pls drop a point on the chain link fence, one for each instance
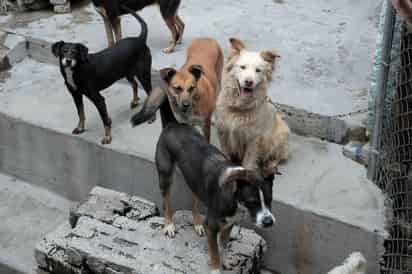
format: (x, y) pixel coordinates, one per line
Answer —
(392, 169)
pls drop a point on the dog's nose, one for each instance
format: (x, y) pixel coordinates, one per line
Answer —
(249, 82)
(267, 221)
(69, 62)
(186, 104)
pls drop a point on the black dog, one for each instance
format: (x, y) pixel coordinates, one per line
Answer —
(219, 183)
(111, 10)
(88, 74)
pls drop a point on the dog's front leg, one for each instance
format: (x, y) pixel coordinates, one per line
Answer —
(78, 100)
(250, 160)
(206, 128)
(197, 219)
(100, 104)
(212, 229)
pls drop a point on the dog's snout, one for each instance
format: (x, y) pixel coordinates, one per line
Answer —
(69, 61)
(249, 82)
(267, 221)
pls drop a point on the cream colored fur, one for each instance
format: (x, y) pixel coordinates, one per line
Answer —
(249, 127)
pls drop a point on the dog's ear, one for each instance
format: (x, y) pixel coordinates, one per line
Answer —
(269, 56)
(167, 74)
(196, 71)
(239, 173)
(56, 48)
(236, 46)
(83, 52)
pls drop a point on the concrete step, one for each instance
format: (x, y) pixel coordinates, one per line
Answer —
(27, 213)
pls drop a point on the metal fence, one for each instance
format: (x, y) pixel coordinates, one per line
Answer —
(391, 165)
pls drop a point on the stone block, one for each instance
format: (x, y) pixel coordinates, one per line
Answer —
(106, 238)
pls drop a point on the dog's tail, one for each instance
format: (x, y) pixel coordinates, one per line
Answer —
(143, 33)
(152, 103)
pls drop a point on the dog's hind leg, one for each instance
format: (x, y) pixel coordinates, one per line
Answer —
(165, 167)
(133, 82)
(78, 100)
(171, 24)
(117, 26)
(107, 25)
(197, 219)
(180, 28)
(100, 104)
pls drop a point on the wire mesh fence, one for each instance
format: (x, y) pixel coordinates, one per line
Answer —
(393, 171)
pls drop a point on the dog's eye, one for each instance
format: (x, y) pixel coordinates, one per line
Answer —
(243, 67)
(258, 70)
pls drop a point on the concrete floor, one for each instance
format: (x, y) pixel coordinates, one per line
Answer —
(326, 47)
(27, 213)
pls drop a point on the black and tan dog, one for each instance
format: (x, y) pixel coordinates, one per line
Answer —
(219, 183)
(88, 74)
(111, 10)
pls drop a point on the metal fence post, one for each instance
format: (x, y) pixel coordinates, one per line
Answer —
(381, 82)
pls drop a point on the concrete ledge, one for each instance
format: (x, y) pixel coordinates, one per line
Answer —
(302, 122)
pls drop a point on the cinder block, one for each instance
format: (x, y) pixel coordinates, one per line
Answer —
(122, 243)
(106, 205)
(64, 8)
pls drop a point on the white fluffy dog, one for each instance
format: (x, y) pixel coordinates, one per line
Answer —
(354, 264)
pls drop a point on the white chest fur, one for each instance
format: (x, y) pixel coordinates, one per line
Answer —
(69, 77)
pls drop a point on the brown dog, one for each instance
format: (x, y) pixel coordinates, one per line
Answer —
(111, 10)
(250, 131)
(192, 90)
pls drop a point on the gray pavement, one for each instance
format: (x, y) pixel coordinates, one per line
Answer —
(27, 213)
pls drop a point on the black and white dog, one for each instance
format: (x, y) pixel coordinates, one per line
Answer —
(220, 184)
(88, 74)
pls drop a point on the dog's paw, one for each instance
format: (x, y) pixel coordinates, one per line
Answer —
(168, 49)
(106, 140)
(170, 230)
(152, 119)
(215, 271)
(134, 104)
(77, 131)
(200, 230)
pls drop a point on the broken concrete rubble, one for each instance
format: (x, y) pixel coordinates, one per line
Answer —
(113, 232)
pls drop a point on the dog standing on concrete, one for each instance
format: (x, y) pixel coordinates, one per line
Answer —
(250, 131)
(219, 183)
(111, 10)
(192, 90)
(88, 74)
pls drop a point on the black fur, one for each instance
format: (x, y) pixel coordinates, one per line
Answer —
(130, 57)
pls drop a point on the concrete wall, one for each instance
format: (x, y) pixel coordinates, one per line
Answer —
(302, 242)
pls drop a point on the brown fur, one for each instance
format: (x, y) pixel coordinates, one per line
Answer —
(206, 54)
(250, 129)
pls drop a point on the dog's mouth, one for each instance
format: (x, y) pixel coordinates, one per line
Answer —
(244, 91)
